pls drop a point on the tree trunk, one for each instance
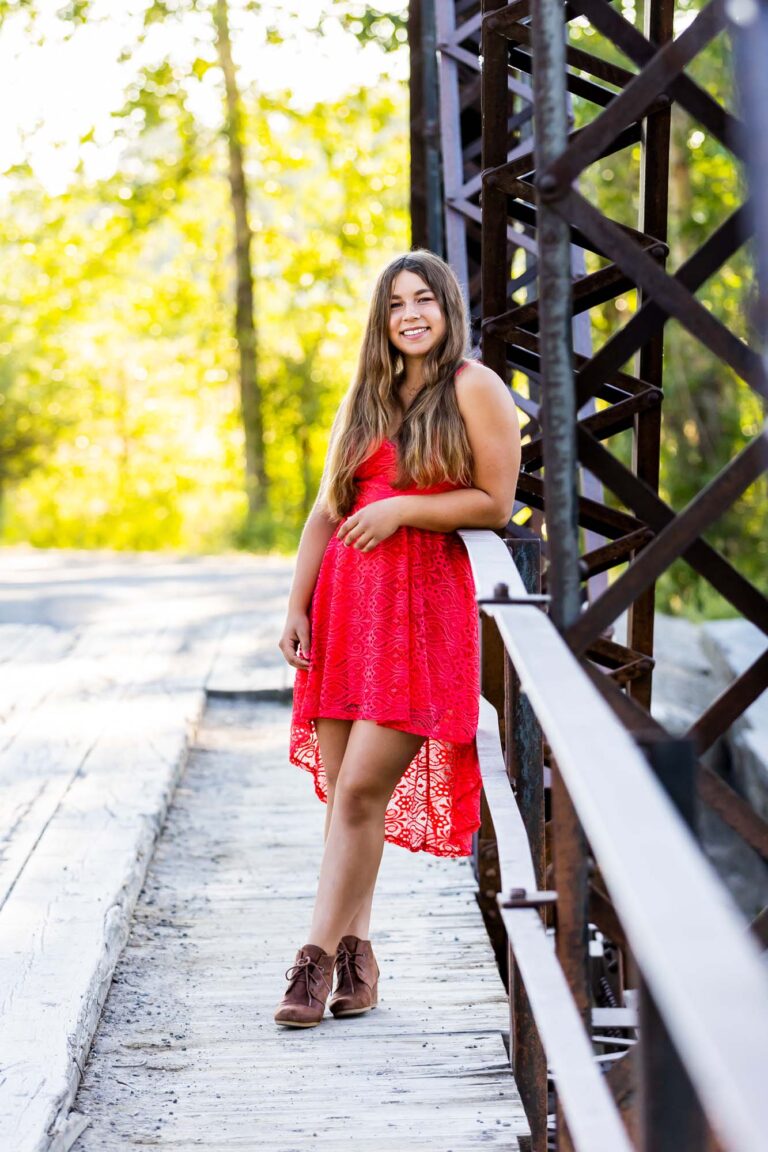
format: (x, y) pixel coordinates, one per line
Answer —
(256, 483)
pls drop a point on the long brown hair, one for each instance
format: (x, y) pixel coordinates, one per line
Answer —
(432, 440)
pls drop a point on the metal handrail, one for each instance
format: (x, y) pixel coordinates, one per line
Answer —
(703, 969)
(593, 1119)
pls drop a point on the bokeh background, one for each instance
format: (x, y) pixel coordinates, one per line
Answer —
(126, 366)
(120, 389)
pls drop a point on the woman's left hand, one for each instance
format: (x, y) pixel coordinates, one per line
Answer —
(368, 526)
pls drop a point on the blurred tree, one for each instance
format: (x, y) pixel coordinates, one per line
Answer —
(116, 299)
(251, 404)
(166, 146)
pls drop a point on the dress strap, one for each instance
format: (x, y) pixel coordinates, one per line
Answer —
(461, 367)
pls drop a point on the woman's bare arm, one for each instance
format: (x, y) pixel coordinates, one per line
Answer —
(493, 431)
(314, 540)
(316, 534)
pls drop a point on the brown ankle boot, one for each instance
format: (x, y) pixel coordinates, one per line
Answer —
(303, 1005)
(357, 978)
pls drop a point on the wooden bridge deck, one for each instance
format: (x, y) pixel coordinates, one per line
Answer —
(187, 1054)
(103, 664)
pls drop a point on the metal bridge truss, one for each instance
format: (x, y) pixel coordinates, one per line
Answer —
(496, 164)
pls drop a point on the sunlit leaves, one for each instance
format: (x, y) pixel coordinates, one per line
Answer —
(368, 23)
(117, 301)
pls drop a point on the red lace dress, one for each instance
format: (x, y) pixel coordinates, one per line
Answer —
(394, 639)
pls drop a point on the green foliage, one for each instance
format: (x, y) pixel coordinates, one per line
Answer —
(387, 29)
(118, 311)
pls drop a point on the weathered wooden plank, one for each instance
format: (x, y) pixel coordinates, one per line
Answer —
(29, 665)
(47, 746)
(187, 1054)
(66, 917)
(13, 638)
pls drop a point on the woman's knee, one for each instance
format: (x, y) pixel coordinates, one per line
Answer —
(358, 800)
(374, 761)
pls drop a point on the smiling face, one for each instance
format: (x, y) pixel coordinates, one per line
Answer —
(416, 321)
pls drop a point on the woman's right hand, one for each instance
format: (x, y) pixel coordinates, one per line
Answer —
(294, 642)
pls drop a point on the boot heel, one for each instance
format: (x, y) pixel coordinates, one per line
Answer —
(357, 978)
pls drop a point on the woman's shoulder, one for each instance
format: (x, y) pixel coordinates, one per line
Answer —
(482, 396)
(474, 379)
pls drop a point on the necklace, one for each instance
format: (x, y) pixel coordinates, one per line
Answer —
(408, 399)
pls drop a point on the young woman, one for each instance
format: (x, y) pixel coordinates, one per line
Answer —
(382, 620)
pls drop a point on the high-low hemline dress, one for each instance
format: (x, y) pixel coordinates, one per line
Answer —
(394, 639)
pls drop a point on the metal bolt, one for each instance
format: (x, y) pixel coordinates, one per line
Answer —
(501, 592)
(547, 184)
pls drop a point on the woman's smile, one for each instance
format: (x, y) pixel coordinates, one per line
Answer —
(416, 319)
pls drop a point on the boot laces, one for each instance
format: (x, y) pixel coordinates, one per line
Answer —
(350, 964)
(307, 970)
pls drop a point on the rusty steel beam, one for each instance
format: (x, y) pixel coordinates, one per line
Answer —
(635, 100)
(605, 423)
(495, 271)
(730, 704)
(702, 557)
(418, 204)
(695, 100)
(558, 419)
(713, 791)
(558, 399)
(513, 209)
(452, 152)
(673, 541)
(646, 442)
(666, 290)
(609, 555)
(598, 517)
(644, 326)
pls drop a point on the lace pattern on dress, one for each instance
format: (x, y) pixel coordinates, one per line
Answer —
(395, 640)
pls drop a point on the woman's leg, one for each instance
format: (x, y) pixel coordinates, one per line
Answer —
(332, 736)
(373, 762)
